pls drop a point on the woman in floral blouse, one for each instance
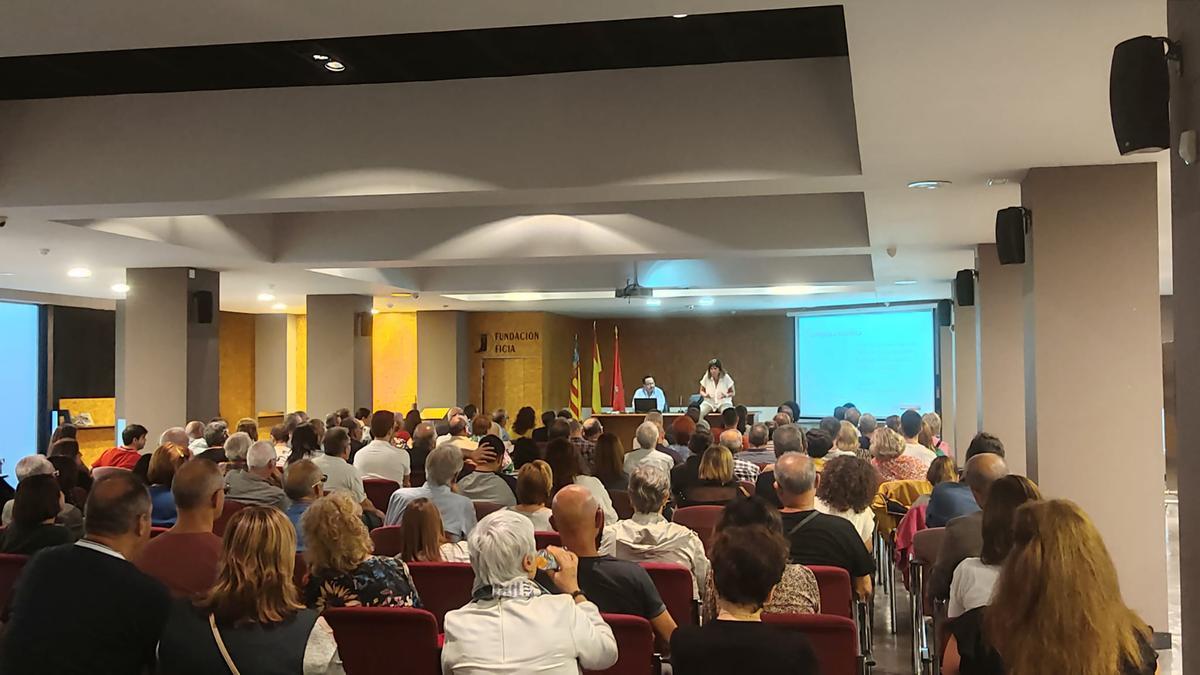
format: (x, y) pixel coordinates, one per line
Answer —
(343, 573)
(887, 446)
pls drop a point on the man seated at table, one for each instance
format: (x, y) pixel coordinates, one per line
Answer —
(649, 390)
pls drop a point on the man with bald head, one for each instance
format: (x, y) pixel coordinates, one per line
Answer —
(731, 439)
(964, 535)
(616, 586)
(817, 538)
(176, 435)
(953, 499)
(184, 558)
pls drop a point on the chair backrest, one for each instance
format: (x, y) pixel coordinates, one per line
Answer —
(925, 545)
(834, 639)
(635, 645)
(674, 584)
(700, 519)
(902, 492)
(442, 586)
(544, 539)
(155, 531)
(10, 568)
(379, 491)
(370, 640)
(231, 507)
(837, 593)
(749, 487)
(484, 508)
(386, 540)
(622, 503)
(709, 495)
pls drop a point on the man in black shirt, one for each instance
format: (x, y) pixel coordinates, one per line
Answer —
(116, 613)
(541, 434)
(817, 538)
(787, 438)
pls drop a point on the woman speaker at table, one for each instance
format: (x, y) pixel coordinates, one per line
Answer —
(716, 389)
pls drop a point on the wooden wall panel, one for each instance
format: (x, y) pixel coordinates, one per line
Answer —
(236, 339)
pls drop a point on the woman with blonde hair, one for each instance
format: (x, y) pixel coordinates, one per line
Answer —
(423, 539)
(887, 448)
(535, 480)
(252, 621)
(935, 429)
(163, 462)
(343, 573)
(715, 484)
(846, 442)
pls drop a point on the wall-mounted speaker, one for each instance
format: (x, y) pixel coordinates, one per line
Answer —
(945, 313)
(1138, 94)
(1012, 224)
(964, 288)
(204, 306)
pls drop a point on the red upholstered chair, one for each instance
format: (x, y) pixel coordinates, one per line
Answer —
(544, 539)
(379, 491)
(837, 593)
(621, 503)
(833, 638)
(442, 586)
(484, 508)
(749, 487)
(231, 507)
(635, 645)
(155, 531)
(377, 640)
(10, 568)
(386, 540)
(674, 584)
(701, 519)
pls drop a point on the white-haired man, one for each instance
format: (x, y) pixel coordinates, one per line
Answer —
(442, 467)
(647, 451)
(68, 516)
(258, 483)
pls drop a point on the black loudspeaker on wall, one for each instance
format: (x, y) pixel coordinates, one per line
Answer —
(204, 306)
(1012, 224)
(1139, 92)
(945, 315)
(964, 288)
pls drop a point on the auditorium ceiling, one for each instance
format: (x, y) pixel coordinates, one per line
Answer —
(731, 156)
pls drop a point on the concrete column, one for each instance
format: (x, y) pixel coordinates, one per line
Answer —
(946, 361)
(1093, 352)
(966, 382)
(1000, 331)
(168, 364)
(442, 350)
(339, 353)
(270, 362)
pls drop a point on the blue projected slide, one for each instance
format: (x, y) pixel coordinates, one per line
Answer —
(18, 384)
(882, 361)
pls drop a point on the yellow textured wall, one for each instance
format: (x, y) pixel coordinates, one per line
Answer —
(297, 370)
(236, 339)
(394, 361)
(507, 345)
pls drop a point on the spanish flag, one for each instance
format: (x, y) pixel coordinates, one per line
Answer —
(595, 372)
(575, 380)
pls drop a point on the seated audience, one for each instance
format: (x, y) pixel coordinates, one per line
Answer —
(524, 423)
(35, 507)
(318, 427)
(585, 446)
(423, 539)
(818, 443)
(251, 621)
(280, 438)
(866, 428)
(175, 435)
(69, 516)
(72, 472)
(164, 462)
(787, 438)
(847, 487)
(487, 483)
(535, 482)
(892, 422)
(85, 607)
(846, 441)
(796, 593)
(342, 571)
(460, 433)
(983, 443)
(681, 432)
(195, 434)
(616, 586)
(950, 498)
(684, 476)
(732, 440)
(714, 484)
(411, 419)
(304, 444)
(565, 470)
(748, 564)
(729, 422)
(964, 535)
(381, 458)
(342, 477)
(65, 430)
(442, 467)
(941, 470)
(608, 462)
(303, 484)
(910, 427)
(423, 441)
(500, 419)
(257, 484)
(831, 426)
(647, 452)
(249, 427)
(648, 536)
(184, 558)
(355, 430)
(939, 444)
(791, 408)
(126, 455)
(1073, 620)
(887, 448)
(557, 635)
(757, 439)
(215, 435)
(818, 538)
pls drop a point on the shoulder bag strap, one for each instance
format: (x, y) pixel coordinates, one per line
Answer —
(212, 622)
(792, 531)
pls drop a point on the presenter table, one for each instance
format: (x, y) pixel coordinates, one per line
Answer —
(625, 425)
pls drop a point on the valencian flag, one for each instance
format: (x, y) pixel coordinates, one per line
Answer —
(575, 379)
(618, 397)
(595, 371)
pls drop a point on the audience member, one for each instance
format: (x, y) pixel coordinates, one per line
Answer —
(380, 458)
(714, 484)
(184, 558)
(126, 455)
(887, 448)
(950, 498)
(748, 564)
(892, 422)
(249, 427)
(304, 444)
(303, 484)
(318, 427)
(732, 440)
(681, 432)
(354, 429)
(35, 508)
(423, 441)
(729, 422)
(565, 470)
(787, 438)
(791, 408)
(648, 536)
(817, 538)
(258, 484)
(910, 427)
(559, 428)
(524, 423)
(647, 452)
(846, 488)
(195, 433)
(743, 416)
(693, 411)
(535, 483)
(941, 470)
(65, 430)
(591, 431)
(983, 443)
(74, 479)
(487, 483)
(215, 435)
(176, 435)
(866, 427)
(818, 443)
(423, 539)
(280, 438)
(459, 434)
(934, 421)
(839, 413)
(684, 476)
(559, 634)
(845, 442)
(481, 425)
(853, 416)
(164, 462)
(964, 535)
(115, 614)
(342, 477)
(442, 467)
(757, 452)
(252, 620)
(236, 447)
(616, 586)
(69, 516)
(608, 462)
(342, 571)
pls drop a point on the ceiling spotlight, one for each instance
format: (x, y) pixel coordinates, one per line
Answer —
(320, 57)
(653, 302)
(266, 297)
(402, 295)
(928, 184)
(679, 16)
(79, 273)
(705, 302)
(374, 311)
(120, 288)
(335, 66)
(906, 282)
(279, 306)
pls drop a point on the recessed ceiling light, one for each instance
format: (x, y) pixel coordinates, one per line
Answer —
(374, 311)
(320, 57)
(653, 302)
(79, 273)
(705, 302)
(906, 282)
(8, 274)
(279, 306)
(679, 16)
(928, 184)
(335, 66)
(993, 182)
(402, 295)
(120, 288)
(266, 297)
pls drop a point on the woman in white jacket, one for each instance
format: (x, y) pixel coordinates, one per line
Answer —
(513, 625)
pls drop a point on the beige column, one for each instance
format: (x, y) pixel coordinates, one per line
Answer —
(270, 362)
(1094, 361)
(1000, 331)
(946, 363)
(442, 349)
(966, 382)
(338, 353)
